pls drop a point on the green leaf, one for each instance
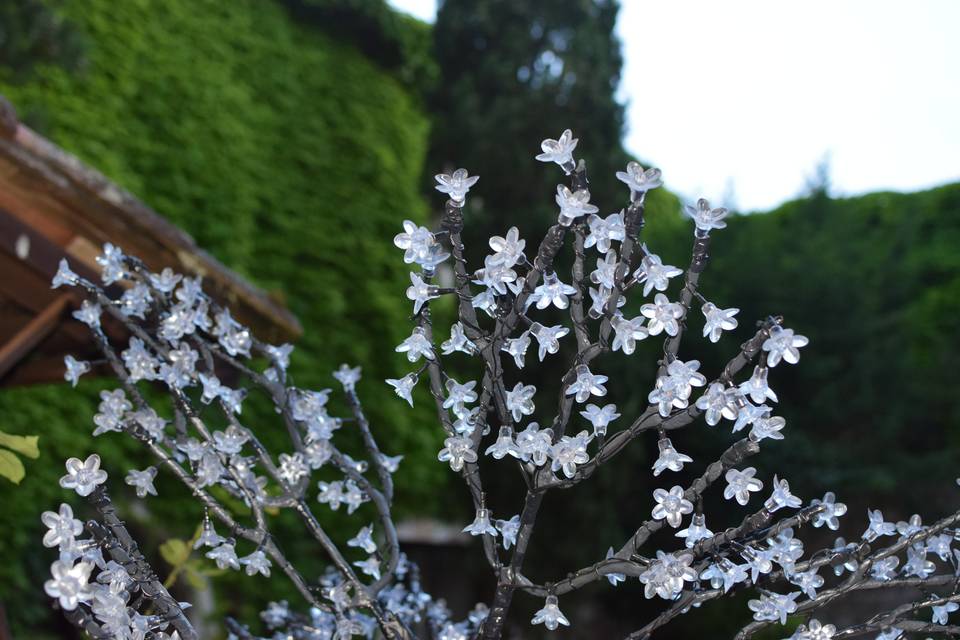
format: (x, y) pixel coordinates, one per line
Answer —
(194, 578)
(24, 445)
(175, 551)
(11, 467)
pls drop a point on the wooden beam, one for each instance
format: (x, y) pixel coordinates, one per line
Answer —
(24, 341)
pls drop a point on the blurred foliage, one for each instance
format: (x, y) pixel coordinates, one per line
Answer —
(287, 153)
(34, 33)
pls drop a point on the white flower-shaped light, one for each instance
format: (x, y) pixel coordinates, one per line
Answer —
(757, 388)
(781, 496)
(363, 539)
(74, 369)
(559, 151)
(456, 184)
(459, 395)
(570, 452)
(535, 444)
(941, 612)
(767, 426)
(417, 345)
(638, 180)
(111, 263)
(814, 631)
(696, 532)
(548, 338)
(627, 333)
(573, 205)
(671, 506)
(603, 231)
(550, 615)
(706, 218)
(347, 376)
(403, 387)
(718, 320)
(64, 275)
(666, 575)
(740, 484)
(504, 445)
(509, 530)
(832, 511)
(517, 347)
(88, 314)
(784, 345)
(225, 556)
(663, 315)
(808, 581)
(669, 458)
(256, 562)
(600, 418)
(457, 450)
(717, 402)
(415, 241)
(370, 567)
(508, 249)
(481, 525)
(458, 341)
(587, 384)
(69, 583)
(654, 274)
(520, 400)
(420, 292)
(292, 467)
(552, 291)
(83, 476)
(142, 481)
(62, 527)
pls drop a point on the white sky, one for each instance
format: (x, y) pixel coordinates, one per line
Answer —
(748, 96)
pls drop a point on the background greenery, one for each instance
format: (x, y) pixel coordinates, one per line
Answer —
(291, 137)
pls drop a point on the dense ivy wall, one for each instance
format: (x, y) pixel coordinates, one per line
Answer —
(288, 154)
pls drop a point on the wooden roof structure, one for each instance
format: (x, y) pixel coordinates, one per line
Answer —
(52, 206)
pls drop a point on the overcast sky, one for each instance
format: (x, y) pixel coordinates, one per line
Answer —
(746, 97)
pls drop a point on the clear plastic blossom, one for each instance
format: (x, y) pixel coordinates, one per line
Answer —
(416, 346)
(909, 527)
(885, 569)
(696, 532)
(347, 376)
(457, 450)
(256, 562)
(69, 583)
(420, 292)
(627, 333)
(831, 513)
(665, 576)
(517, 348)
(83, 476)
(74, 369)
(225, 555)
(654, 274)
(403, 387)
(740, 484)
(813, 630)
(481, 525)
(509, 530)
(569, 452)
(725, 573)
(548, 338)
(559, 151)
(535, 444)
(781, 497)
(784, 345)
(363, 540)
(774, 606)
(917, 563)
(600, 418)
(718, 320)
(458, 341)
(415, 241)
(639, 180)
(231, 440)
(587, 384)
(504, 445)
(520, 400)
(495, 275)
(292, 467)
(718, 402)
(941, 612)
(142, 481)
(705, 218)
(550, 615)
(456, 184)
(62, 527)
(663, 315)
(370, 567)
(673, 390)
(64, 275)
(552, 291)
(603, 231)
(89, 314)
(669, 458)
(605, 274)
(757, 388)
(508, 249)
(459, 395)
(808, 581)
(768, 426)
(671, 506)
(111, 264)
(573, 205)
(600, 301)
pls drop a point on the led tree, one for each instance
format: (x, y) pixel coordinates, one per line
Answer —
(184, 344)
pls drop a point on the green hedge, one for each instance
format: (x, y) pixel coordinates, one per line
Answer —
(288, 154)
